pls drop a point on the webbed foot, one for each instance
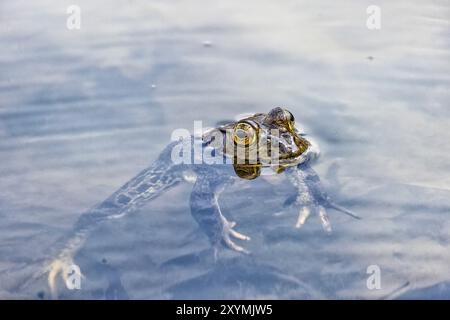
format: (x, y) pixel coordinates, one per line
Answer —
(305, 212)
(303, 215)
(323, 215)
(311, 196)
(228, 232)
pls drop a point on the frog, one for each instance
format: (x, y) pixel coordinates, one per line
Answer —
(278, 147)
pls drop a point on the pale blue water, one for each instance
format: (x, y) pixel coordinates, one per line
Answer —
(82, 111)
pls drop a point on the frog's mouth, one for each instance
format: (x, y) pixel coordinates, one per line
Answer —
(294, 149)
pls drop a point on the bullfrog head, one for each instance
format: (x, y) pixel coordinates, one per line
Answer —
(260, 141)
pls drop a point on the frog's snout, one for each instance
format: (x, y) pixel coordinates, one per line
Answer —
(283, 147)
(287, 145)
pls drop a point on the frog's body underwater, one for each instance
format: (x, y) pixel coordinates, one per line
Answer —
(293, 157)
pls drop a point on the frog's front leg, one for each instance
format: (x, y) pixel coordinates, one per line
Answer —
(306, 198)
(312, 197)
(206, 211)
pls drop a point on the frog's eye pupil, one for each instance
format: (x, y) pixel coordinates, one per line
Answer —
(241, 134)
(290, 120)
(291, 117)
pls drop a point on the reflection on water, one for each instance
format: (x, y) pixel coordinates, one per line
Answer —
(81, 112)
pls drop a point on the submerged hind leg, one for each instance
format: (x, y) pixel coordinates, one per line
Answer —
(146, 186)
(207, 213)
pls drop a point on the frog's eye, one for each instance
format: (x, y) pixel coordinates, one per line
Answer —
(290, 120)
(244, 134)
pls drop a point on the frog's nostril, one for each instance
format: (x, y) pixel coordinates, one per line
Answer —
(284, 148)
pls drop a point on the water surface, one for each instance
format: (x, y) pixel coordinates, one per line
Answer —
(82, 111)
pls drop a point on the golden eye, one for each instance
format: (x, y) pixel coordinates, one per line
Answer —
(244, 134)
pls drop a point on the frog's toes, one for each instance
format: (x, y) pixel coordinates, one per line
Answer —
(233, 246)
(302, 216)
(229, 228)
(54, 270)
(305, 212)
(59, 267)
(226, 239)
(323, 215)
(239, 235)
